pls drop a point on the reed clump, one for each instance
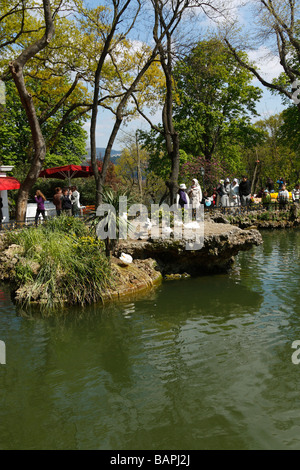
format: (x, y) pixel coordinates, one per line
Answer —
(60, 262)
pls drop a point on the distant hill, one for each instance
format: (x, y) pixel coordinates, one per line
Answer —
(100, 151)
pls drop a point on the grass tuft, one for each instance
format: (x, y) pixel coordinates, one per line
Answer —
(60, 263)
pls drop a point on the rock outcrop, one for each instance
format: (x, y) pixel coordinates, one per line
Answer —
(221, 243)
(136, 278)
(258, 218)
(152, 259)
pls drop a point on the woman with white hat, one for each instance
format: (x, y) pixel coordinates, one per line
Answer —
(234, 193)
(226, 191)
(182, 200)
(195, 194)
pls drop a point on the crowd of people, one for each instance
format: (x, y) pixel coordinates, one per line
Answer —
(226, 194)
(66, 201)
(236, 193)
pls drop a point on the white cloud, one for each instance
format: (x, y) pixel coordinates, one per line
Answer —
(267, 63)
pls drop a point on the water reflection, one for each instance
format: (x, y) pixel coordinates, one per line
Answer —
(196, 364)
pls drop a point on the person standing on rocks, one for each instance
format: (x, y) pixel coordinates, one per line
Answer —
(220, 192)
(234, 193)
(245, 191)
(182, 197)
(195, 195)
(283, 197)
(226, 191)
(296, 194)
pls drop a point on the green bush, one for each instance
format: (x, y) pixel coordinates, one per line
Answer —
(69, 225)
(264, 216)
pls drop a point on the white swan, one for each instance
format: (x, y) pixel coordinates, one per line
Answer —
(191, 225)
(167, 230)
(126, 259)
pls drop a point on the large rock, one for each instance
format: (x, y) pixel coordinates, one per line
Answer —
(129, 280)
(221, 243)
(8, 261)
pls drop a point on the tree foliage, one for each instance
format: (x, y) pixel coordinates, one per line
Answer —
(215, 102)
(278, 154)
(15, 138)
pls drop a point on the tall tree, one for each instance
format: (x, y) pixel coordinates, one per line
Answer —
(42, 76)
(170, 15)
(17, 70)
(133, 79)
(110, 40)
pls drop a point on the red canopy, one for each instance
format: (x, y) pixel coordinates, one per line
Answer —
(7, 182)
(67, 172)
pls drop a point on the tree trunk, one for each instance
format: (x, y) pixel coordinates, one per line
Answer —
(172, 183)
(139, 173)
(16, 68)
(170, 134)
(255, 178)
(37, 138)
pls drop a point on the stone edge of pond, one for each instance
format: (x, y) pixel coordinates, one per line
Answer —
(258, 219)
(221, 243)
(154, 260)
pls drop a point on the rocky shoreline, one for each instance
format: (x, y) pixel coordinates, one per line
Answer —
(224, 236)
(167, 258)
(258, 219)
(154, 260)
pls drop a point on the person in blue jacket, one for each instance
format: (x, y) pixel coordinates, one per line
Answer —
(280, 183)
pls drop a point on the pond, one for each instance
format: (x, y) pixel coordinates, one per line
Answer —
(201, 363)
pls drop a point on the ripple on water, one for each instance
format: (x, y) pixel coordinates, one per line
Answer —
(202, 363)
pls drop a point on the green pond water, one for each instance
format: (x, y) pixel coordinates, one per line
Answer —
(196, 364)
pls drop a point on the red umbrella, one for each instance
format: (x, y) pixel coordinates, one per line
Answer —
(67, 172)
(7, 182)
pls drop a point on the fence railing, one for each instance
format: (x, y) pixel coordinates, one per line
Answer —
(272, 206)
(233, 211)
(30, 221)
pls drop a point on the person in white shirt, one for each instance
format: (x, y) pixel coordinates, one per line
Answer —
(283, 197)
(234, 193)
(296, 194)
(195, 195)
(75, 201)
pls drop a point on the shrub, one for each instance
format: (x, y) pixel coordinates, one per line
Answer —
(70, 225)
